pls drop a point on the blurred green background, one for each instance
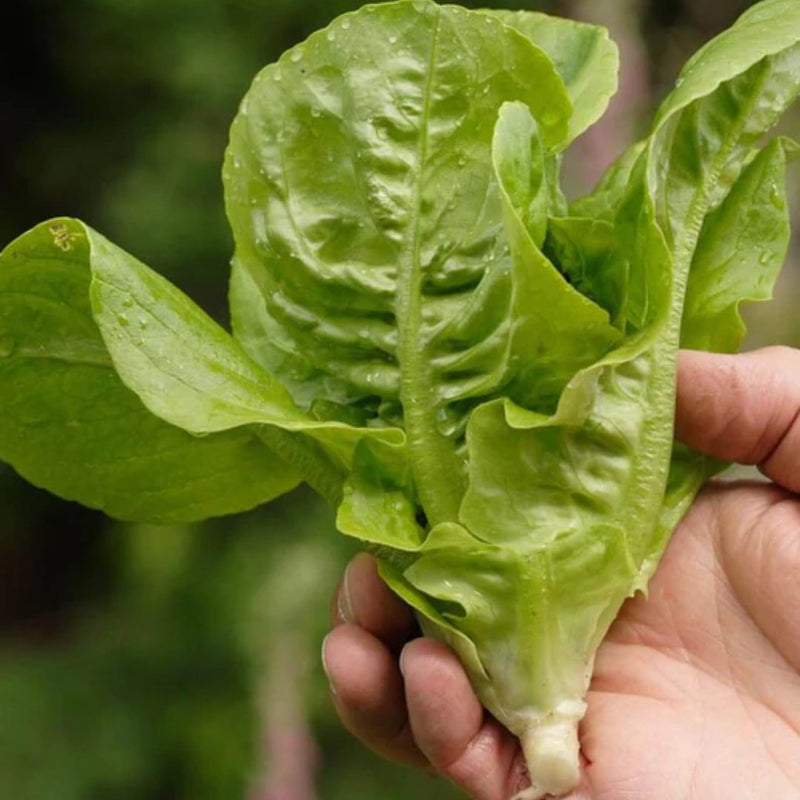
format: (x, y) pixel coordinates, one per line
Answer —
(142, 662)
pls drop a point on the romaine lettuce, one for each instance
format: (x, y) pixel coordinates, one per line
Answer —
(477, 375)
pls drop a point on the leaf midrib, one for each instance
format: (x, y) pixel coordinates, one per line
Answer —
(434, 463)
(683, 253)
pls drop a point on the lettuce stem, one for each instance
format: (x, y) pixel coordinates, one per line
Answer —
(551, 753)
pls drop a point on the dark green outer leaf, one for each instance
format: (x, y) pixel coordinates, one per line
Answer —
(364, 210)
(68, 424)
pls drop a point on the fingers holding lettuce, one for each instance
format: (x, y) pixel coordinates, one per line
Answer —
(744, 408)
(696, 690)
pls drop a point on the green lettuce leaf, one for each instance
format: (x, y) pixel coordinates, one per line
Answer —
(365, 211)
(585, 251)
(188, 371)
(555, 330)
(732, 92)
(584, 56)
(739, 253)
(69, 424)
(601, 203)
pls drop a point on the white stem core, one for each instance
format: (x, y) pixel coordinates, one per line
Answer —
(551, 751)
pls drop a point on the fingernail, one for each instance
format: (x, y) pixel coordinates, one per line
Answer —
(402, 662)
(343, 603)
(325, 667)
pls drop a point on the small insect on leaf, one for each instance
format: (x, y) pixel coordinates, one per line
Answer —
(63, 237)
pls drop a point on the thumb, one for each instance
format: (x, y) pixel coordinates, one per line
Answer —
(743, 408)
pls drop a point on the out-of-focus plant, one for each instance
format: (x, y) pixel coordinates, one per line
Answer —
(176, 685)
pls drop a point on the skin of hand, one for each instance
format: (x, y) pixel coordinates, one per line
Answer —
(696, 689)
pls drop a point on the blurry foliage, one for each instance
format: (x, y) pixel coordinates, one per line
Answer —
(147, 694)
(150, 694)
(132, 657)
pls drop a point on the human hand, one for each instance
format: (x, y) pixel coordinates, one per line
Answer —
(696, 690)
